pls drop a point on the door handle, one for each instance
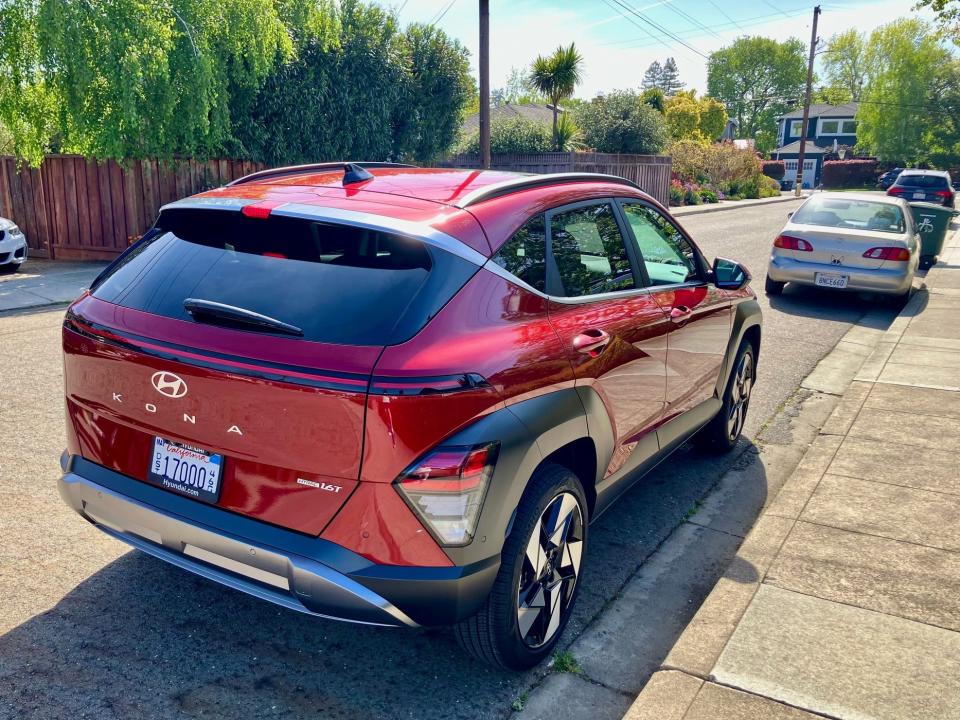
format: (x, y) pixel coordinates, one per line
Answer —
(591, 342)
(680, 314)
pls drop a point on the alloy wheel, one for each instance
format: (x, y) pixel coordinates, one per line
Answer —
(550, 569)
(740, 396)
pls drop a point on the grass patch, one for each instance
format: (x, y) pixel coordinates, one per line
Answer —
(694, 510)
(519, 702)
(564, 662)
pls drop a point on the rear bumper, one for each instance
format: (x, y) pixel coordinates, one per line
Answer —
(883, 280)
(303, 573)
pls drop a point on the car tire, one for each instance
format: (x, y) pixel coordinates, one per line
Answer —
(536, 587)
(720, 435)
(772, 287)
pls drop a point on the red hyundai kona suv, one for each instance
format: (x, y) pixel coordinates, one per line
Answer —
(399, 396)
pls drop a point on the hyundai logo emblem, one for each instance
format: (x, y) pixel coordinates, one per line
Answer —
(166, 383)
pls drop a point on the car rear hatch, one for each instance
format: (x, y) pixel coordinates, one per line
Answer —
(843, 248)
(252, 339)
(922, 188)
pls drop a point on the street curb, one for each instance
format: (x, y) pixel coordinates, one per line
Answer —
(730, 205)
(671, 689)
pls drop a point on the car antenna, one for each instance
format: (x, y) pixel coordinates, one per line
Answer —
(353, 173)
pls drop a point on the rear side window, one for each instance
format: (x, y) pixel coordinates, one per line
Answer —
(525, 254)
(932, 182)
(588, 251)
(338, 283)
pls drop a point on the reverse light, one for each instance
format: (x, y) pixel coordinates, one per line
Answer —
(788, 242)
(446, 487)
(888, 253)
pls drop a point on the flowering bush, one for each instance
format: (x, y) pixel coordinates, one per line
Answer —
(676, 192)
(691, 194)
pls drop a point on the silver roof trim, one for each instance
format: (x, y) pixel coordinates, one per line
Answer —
(532, 181)
(311, 167)
(419, 231)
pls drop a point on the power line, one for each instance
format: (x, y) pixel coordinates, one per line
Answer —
(658, 27)
(771, 5)
(636, 24)
(439, 16)
(694, 22)
(722, 12)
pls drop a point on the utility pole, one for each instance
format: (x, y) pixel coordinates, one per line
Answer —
(485, 84)
(806, 104)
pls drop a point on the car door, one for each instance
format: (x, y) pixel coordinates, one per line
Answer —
(700, 315)
(613, 329)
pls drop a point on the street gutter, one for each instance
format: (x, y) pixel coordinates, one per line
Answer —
(731, 205)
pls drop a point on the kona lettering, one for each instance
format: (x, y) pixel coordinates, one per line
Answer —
(118, 397)
(150, 408)
(187, 418)
(235, 429)
(190, 418)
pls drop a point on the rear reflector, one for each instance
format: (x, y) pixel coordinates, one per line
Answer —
(788, 242)
(446, 487)
(888, 253)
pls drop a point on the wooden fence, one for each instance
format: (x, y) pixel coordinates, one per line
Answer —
(71, 208)
(650, 172)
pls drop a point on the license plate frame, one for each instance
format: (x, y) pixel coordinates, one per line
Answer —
(186, 470)
(836, 281)
(919, 196)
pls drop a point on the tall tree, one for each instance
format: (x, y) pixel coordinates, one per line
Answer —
(621, 122)
(755, 77)
(652, 77)
(670, 78)
(557, 76)
(844, 64)
(948, 16)
(903, 62)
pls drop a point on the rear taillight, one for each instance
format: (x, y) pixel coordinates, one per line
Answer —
(788, 242)
(894, 190)
(446, 489)
(888, 253)
(943, 193)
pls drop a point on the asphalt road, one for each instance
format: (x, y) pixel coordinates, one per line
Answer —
(90, 629)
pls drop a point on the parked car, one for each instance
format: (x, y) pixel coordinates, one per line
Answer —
(924, 185)
(847, 241)
(399, 396)
(13, 246)
(888, 178)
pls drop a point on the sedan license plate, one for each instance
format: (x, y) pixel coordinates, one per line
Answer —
(187, 470)
(919, 196)
(830, 280)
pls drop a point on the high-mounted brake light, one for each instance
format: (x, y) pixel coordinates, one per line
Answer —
(258, 212)
(888, 253)
(446, 487)
(788, 242)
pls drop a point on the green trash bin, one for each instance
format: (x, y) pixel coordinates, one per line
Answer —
(932, 222)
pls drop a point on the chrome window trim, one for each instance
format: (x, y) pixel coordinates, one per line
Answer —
(418, 231)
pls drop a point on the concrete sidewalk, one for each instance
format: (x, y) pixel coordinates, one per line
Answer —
(844, 600)
(735, 204)
(46, 282)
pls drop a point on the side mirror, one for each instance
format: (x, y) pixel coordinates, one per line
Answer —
(729, 274)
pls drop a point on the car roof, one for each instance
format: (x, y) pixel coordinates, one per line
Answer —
(917, 171)
(865, 196)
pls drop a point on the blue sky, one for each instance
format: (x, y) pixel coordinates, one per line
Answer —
(618, 46)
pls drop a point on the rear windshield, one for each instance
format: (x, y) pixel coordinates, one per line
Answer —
(932, 182)
(337, 283)
(859, 214)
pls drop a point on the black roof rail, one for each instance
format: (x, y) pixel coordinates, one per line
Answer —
(298, 169)
(526, 182)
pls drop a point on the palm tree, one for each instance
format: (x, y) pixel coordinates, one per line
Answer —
(556, 76)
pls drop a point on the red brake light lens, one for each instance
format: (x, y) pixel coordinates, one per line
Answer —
(788, 242)
(943, 193)
(888, 253)
(894, 190)
(446, 488)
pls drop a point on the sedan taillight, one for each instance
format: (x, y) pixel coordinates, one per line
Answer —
(446, 489)
(888, 253)
(788, 242)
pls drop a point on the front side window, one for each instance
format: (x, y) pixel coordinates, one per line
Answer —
(525, 254)
(667, 255)
(588, 252)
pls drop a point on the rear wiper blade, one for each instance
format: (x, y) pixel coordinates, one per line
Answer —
(199, 308)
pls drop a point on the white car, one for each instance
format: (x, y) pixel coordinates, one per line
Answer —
(13, 246)
(847, 241)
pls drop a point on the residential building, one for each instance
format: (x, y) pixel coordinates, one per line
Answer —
(829, 128)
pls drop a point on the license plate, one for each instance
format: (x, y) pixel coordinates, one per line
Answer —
(919, 196)
(187, 470)
(830, 280)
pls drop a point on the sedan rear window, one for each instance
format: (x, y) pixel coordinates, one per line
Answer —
(857, 214)
(932, 182)
(336, 283)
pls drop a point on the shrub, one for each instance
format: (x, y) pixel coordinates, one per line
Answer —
(691, 194)
(769, 187)
(515, 135)
(709, 196)
(719, 164)
(775, 169)
(622, 123)
(676, 192)
(849, 173)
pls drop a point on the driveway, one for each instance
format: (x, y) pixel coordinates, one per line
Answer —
(91, 629)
